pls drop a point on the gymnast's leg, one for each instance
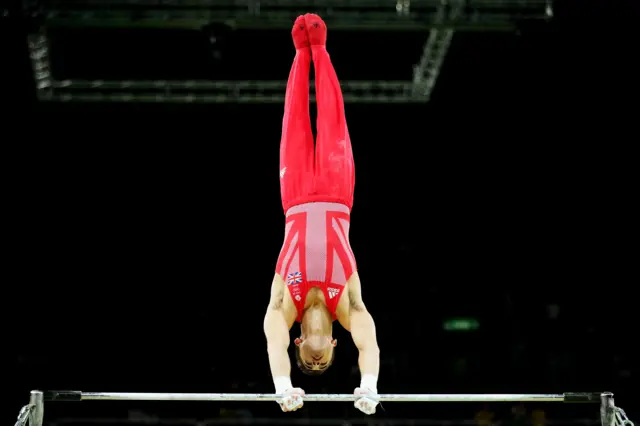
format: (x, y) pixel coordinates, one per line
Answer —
(296, 144)
(335, 173)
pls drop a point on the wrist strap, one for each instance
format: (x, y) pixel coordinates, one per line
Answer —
(369, 381)
(282, 384)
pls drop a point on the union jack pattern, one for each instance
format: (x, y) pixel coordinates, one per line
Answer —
(316, 252)
(294, 278)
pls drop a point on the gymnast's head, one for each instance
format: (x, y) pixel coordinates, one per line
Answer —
(315, 346)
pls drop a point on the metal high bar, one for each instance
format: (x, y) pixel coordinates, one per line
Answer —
(609, 413)
(567, 397)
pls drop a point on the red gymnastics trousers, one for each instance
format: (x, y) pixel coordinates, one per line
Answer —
(324, 173)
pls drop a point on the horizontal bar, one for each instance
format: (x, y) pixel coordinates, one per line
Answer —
(244, 4)
(316, 397)
(140, 396)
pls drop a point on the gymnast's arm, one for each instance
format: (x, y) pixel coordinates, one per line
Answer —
(363, 332)
(277, 332)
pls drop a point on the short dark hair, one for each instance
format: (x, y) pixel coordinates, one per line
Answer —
(309, 371)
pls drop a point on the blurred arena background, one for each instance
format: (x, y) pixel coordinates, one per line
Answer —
(146, 220)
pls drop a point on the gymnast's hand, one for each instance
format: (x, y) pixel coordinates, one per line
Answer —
(291, 399)
(366, 400)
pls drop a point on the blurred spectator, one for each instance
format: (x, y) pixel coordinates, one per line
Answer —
(484, 417)
(538, 418)
(518, 416)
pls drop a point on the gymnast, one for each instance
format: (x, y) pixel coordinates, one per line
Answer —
(316, 264)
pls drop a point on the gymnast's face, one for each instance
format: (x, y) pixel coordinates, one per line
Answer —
(315, 353)
(314, 347)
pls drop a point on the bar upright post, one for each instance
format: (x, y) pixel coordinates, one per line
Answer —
(607, 409)
(36, 415)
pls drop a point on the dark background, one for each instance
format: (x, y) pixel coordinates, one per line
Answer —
(142, 238)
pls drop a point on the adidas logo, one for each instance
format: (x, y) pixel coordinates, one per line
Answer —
(333, 292)
(282, 172)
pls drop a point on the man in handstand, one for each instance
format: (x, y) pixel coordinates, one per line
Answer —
(316, 281)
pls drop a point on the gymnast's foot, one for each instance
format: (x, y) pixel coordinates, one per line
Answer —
(299, 34)
(317, 30)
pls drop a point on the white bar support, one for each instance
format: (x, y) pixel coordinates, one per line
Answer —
(36, 415)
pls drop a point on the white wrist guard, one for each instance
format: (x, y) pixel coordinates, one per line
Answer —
(282, 384)
(369, 381)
